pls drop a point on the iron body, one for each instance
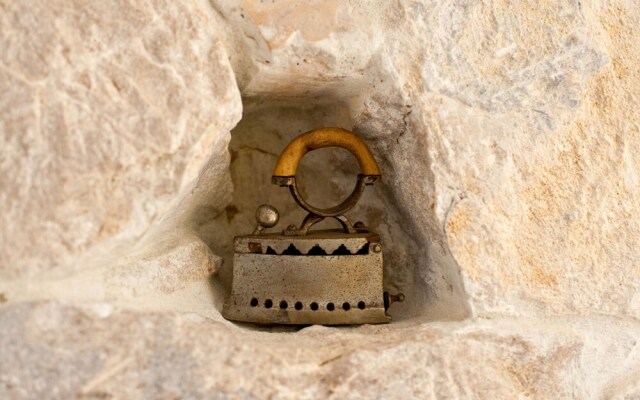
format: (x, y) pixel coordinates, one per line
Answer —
(303, 276)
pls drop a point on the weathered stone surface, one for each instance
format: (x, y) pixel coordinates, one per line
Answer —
(109, 112)
(537, 184)
(97, 351)
(508, 137)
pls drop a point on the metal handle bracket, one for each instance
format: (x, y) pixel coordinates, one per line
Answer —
(285, 170)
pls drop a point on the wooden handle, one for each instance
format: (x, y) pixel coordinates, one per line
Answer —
(325, 137)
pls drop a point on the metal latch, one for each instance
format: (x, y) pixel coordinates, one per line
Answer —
(304, 276)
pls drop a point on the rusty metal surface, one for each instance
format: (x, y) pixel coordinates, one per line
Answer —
(343, 207)
(327, 240)
(300, 276)
(303, 289)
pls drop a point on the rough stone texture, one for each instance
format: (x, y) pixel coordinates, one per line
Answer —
(541, 210)
(508, 134)
(109, 112)
(104, 352)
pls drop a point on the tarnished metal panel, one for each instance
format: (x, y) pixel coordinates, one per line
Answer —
(328, 240)
(307, 289)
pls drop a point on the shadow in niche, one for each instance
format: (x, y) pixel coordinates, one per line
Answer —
(326, 176)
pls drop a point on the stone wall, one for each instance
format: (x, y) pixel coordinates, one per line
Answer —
(138, 138)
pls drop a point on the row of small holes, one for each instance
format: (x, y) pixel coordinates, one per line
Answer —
(298, 306)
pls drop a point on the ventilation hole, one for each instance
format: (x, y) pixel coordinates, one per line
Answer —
(363, 250)
(284, 304)
(314, 306)
(254, 302)
(361, 305)
(317, 251)
(341, 251)
(298, 306)
(331, 306)
(346, 306)
(270, 250)
(291, 251)
(268, 303)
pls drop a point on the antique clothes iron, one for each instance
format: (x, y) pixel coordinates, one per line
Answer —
(301, 276)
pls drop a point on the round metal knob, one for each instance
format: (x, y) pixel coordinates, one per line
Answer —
(267, 216)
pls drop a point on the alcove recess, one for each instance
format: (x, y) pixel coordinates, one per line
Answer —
(327, 176)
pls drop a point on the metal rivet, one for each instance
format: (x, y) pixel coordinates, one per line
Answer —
(377, 248)
(267, 216)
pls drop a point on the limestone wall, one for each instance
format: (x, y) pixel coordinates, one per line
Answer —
(139, 137)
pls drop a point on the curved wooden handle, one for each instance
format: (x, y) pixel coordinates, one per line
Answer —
(325, 137)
